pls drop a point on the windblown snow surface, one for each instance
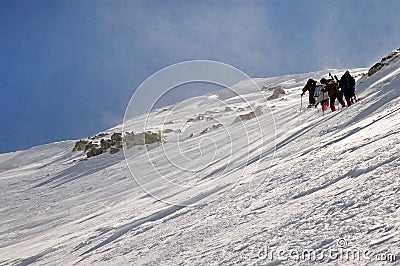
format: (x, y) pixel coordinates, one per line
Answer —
(312, 188)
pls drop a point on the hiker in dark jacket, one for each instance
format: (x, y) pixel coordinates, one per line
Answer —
(347, 84)
(332, 88)
(310, 87)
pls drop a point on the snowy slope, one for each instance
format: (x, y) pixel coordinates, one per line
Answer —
(218, 191)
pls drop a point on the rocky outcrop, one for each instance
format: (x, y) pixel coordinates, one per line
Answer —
(204, 131)
(375, 68)
(385, 61)
(249, 116)
(94, 152)
(81, 145)
(134, 139)
(114, 150)
(99, 136)
(196, 118)
(278, 91)
(105, 144)
(115, 143)
(215, 126)
(116, 137)
(116, 140)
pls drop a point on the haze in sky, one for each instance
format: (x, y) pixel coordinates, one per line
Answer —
(69, 68)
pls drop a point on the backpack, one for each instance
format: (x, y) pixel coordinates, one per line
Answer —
(311, 85)
(351, 82)
(332, 88)
(319, 93)
(347, 81)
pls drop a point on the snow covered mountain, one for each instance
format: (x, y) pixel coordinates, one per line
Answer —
(232, 182)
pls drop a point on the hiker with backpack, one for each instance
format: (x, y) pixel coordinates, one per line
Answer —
(347, 84)
(310, 87)
(321, 96)
(332, 88)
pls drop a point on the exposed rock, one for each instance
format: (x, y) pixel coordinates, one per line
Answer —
(391, 55)
(196, 118)
(105, 144)
(266, 88)
(277, 92)
(89, 146)
(249, 116)
(80, 145)
(162, 110)
(114, 150)
(99, 136)
(93, 149)
(375, 68)
(168, 130)
(134, 139)
(79, 160)
(204, 131)
(131, 139)
(152, 137)
(228, 109)
(116, 137)
(116, 142)
(215, 126)
(94, 152)
(385, 60)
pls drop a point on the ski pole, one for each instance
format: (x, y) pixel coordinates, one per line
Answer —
(301, 105)
(356, 95)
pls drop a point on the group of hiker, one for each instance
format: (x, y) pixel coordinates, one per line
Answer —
(326, 91)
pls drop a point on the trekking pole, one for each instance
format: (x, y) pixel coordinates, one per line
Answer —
(356, 95)
(301, 105)
(316, 107)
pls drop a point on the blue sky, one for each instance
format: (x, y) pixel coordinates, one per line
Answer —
(69, 68)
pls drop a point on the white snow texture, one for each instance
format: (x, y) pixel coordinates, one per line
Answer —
(313, 182)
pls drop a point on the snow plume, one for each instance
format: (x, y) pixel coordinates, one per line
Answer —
(236, 32)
